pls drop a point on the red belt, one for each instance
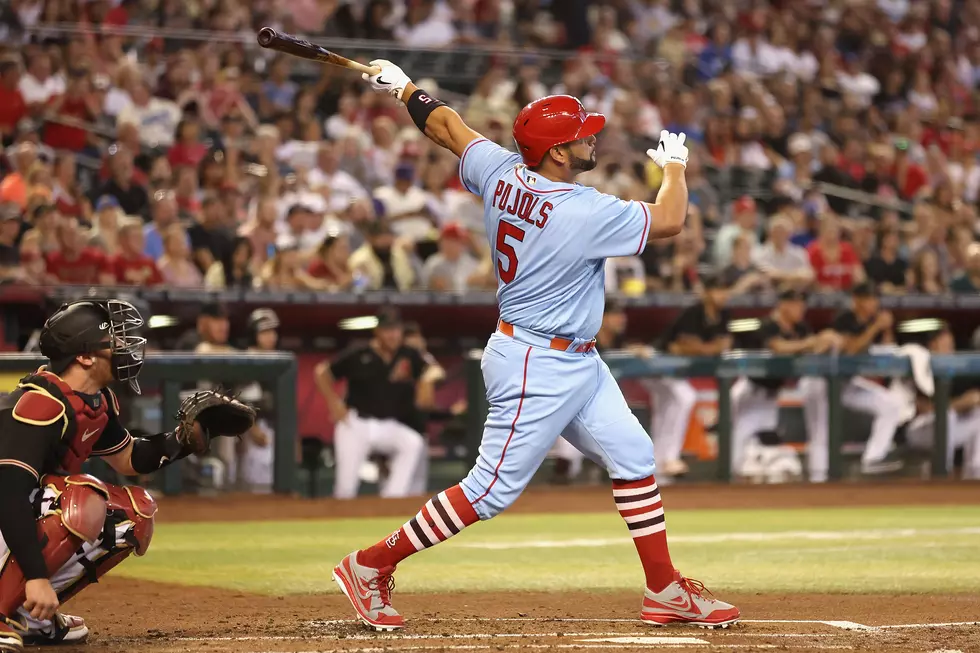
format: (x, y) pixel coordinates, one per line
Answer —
(561, 344)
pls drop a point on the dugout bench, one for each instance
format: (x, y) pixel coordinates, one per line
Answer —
(728, 368)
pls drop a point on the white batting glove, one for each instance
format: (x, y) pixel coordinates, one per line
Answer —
(391, 80)
(670, 150)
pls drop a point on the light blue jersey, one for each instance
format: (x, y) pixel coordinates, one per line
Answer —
(550, 241)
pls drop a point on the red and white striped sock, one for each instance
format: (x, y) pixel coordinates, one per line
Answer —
(640, 505)
(443, 516)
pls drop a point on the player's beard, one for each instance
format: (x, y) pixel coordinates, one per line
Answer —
(582, 165)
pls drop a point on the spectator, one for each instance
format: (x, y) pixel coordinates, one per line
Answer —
(13, 108)
(176, 266)
(210, 240)
(13, 187)
(405, 204)
(297, 234)
(122, 184)
(343, 188)
(969, 281)
(32, 267)
(741, 276)
(278, 92)
(131, 267)
(156, 118)
(426, 26)
(785, 264)
(234, 272)
(383, 260)
(163, 213)
(745, 220)
(285, 272)
(68, 114)
(104, 232)
(381, 156)
(926, 277)
(43, 223)
(345, 121)
(332, 265)
(187, 149)
(38, 85)
(886, 268)
(76, 262)
(10, 226)
(66, 192)
(453, 267)
(835, 265)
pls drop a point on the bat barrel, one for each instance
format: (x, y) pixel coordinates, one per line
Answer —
(266, 36)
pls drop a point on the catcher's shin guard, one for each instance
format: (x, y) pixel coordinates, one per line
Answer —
(73, 510)
(128, 529)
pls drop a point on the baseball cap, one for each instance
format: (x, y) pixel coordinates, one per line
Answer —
(744, 203)
(389, 317)
(791, 295)
(453, 230)
(214, 309)
(107, 202)
(263, 319)
(864, 289)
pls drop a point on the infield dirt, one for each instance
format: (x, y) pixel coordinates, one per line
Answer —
(128, 615)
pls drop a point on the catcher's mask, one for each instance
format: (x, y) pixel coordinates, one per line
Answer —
(88, 326)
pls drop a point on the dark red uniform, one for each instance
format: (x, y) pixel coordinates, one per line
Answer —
(48, 431)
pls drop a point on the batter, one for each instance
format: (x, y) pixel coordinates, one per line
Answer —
(543, 375)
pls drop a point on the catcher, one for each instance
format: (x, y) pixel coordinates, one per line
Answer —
(61, 529)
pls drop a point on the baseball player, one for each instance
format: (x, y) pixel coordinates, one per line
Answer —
(863, 325)
(61, 529)
(610, 337)
(380, 412)
(257, 453)
(964, 414)
(700, 330)
(755, 405)
(550, 238)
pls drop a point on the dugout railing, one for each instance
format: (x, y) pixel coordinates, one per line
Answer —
(173, 372)
(725, 370)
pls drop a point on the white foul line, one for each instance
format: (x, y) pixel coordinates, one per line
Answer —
(714, 538)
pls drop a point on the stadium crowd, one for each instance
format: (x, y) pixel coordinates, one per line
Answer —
(832, 142)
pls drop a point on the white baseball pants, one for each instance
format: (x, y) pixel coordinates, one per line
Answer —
(964, 431)
(356, 438)
(673, 404)
(863, 396)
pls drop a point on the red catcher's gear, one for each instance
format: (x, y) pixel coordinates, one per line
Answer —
(551, 121)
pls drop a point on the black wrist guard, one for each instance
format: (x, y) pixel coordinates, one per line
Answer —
(420, 105)
(155, 452)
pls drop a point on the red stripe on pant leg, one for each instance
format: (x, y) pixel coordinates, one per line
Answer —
(513, 427)
(462, 506)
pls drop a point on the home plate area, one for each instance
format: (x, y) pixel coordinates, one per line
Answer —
(529, 634)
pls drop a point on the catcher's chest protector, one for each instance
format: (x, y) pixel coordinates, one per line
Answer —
(83, 422)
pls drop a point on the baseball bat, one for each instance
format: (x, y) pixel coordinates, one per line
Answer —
(288, 44)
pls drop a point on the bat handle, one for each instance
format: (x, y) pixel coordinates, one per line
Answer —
(361, 68)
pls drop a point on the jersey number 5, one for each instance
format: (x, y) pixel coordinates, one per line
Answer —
(504, 248)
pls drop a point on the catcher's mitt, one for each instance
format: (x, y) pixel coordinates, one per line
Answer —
(208, 414)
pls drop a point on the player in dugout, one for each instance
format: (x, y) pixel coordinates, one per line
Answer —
(61, 529)
(551, 238)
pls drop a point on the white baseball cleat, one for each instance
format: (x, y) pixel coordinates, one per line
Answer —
(62, 629)
(369, 591)
(683, 601)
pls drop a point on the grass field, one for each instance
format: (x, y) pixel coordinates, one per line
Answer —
(887, 550)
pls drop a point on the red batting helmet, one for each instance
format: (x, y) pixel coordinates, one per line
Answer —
(551, 121)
